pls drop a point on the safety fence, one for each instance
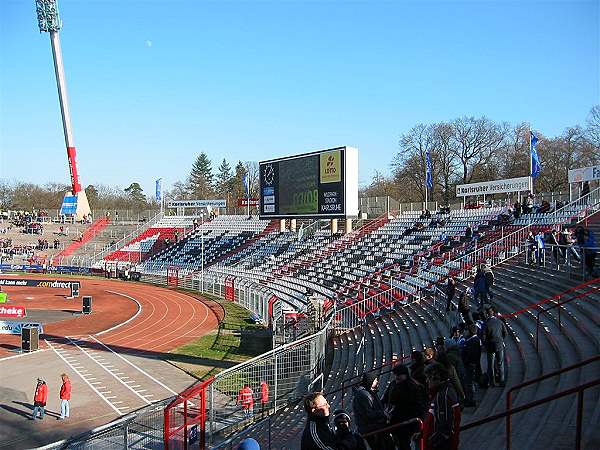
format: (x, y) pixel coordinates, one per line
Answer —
(142, 429)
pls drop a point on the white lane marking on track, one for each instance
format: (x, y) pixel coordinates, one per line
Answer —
(86, 381)
(135, 367)
(110, 373)
(128, 320)
(24, 354)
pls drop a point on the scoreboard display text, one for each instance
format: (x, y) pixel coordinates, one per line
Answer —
(308, 185)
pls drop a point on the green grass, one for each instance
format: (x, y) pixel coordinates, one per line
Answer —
(206, 355)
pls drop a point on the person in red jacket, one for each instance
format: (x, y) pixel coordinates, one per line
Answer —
(39, 399)
(65, 396)
(264, 394)
(246, 399)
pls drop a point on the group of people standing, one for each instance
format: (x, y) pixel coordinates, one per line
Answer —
(40, 398)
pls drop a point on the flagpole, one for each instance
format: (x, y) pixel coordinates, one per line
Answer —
(426, 193)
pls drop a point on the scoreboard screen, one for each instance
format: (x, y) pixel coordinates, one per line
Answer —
(320, 184)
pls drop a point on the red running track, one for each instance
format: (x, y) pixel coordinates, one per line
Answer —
(165, 319)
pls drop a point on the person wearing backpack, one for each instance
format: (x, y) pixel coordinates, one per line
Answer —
(444, 406)
(489, 280)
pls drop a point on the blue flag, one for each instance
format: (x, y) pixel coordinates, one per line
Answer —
(536, 165)
(428, 175)
(158, 189)
(246, 185)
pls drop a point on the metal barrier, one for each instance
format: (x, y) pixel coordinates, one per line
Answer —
(534, 381)
(288, 370)
(185, 418)
(139, 430)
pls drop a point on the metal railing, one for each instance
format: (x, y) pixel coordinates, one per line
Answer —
(560, 302)
(579, 390)
(534, 381)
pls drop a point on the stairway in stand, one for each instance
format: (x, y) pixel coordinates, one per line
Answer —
(88, 235)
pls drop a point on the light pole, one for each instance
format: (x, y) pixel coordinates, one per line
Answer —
(202, 243)
(48, 21)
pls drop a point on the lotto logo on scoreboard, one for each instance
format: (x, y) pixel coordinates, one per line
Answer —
(269, 208)
(331, 166)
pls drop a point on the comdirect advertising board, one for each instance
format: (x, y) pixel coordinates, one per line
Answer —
(319, 184)
(74, 286)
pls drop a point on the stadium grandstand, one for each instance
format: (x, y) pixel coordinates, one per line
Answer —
(345, 306)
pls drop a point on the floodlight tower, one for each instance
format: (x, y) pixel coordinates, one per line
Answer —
(48, 21)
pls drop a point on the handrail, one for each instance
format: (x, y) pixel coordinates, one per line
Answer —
(559, 304)
(548, 299)
(537, 380)
(387, 429)
(344, 385)
(577, 389)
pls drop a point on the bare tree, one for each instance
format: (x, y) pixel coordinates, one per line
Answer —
(476, 141)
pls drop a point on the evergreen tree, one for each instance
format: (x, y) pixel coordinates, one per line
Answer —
(223, 184)
(237, 183)
(135, 192)
(200, 181)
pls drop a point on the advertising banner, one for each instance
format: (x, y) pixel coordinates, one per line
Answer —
(13, 327)
(74, 286)
(244, 202)
(584, 174)
(197, 204)
(13, 312)
(493, 187)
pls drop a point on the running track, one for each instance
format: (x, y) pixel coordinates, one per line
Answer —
(164, 320)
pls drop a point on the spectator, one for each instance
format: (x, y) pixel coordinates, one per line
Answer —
(369, 413)
(417, 367)
(249, 444)
(317, 433)
(528, 204)
(517, 210)
(468, 232)
(464, 308)
(246, 399)
(405, 399)
(472, 362)
(544, 207)
(480, 288)
(539, 247)
(531, 247)
(450, 291)
(39, 399)
(589, 251)
(450, 367)
(489, 280)
(585, 189)
(444, 404)
(65, 396)
(552, 239)
(495, 333)
(345, 437)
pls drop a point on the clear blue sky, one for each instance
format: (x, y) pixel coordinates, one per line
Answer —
(153, 83)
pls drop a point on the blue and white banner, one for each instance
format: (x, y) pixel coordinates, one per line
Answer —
(14, 327)
(246, 181)
(159, 189)
(536, 165)
(428, 174)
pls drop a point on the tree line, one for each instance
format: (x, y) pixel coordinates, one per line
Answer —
(469, 149)
(201, 183)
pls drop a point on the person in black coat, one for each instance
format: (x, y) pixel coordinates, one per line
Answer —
(369, 413)
(317, 433)
(471, 356)
(494, 335)
(406, 399)
(345, 438)
(450, 291)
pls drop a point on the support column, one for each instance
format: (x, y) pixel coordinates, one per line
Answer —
(334, 226)
(348, 226)
(293, 225)
(282, 225)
